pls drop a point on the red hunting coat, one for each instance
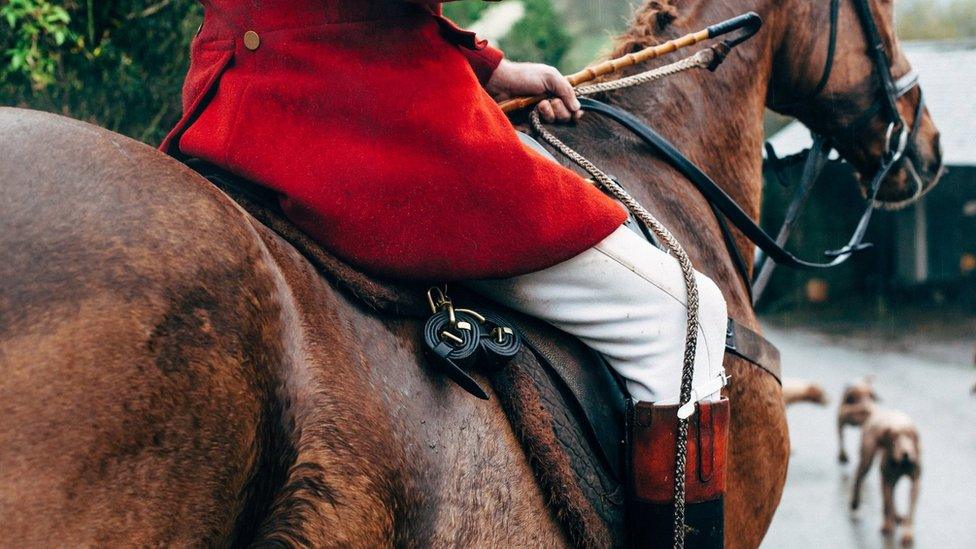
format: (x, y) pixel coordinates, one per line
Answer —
(368, 117)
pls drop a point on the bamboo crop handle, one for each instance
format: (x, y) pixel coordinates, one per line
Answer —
(749, 21)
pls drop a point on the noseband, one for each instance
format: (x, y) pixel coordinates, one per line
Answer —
(897, 140)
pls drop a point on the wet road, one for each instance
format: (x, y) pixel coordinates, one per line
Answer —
(813, 512)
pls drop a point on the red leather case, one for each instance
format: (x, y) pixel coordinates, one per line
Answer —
(652, 452)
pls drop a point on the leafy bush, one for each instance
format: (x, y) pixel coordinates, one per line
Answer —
(539, 36)
(37, 39)
(118, 63)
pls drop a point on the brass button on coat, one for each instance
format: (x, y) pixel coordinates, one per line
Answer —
(251, 40)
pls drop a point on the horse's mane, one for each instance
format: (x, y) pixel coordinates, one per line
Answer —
(650, 19)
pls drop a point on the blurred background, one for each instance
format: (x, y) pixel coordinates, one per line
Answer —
(904, 311)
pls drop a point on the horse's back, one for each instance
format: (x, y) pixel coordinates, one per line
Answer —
(136, 346)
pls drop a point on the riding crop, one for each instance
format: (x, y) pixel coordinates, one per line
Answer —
(748, 22)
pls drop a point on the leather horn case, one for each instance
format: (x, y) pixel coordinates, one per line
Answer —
(652, 431)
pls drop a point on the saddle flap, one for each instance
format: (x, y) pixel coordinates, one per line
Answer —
(587, 385)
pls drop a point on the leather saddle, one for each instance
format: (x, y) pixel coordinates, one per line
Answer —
(566, 405)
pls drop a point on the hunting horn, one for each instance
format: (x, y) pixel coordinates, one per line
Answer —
(748, 22)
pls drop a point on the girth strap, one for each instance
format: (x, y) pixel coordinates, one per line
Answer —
(749, 345)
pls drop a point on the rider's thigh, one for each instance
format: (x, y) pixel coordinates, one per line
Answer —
(626, 299)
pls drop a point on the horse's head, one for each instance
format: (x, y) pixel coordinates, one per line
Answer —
(829, 74)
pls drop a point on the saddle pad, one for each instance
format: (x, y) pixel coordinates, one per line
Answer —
(563, 402)
(586, 500)
(557, 377)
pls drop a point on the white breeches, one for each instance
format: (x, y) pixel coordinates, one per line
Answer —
(626, 300)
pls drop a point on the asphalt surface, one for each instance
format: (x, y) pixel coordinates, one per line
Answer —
(814, 512)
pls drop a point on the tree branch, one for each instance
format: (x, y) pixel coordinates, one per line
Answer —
(150, 10)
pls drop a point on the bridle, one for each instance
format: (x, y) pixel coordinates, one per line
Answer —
(726, 210)
(899, 144)
(898, 140)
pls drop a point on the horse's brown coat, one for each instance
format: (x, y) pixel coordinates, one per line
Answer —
(173, 373)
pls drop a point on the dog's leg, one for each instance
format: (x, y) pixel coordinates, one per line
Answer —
(869, 447)
(888, 506)
(842, 456)
(908, 533)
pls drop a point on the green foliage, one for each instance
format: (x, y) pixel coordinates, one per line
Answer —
(117, 63)
(39, 31)
(539, 36)
(928, 20)
(465, 13)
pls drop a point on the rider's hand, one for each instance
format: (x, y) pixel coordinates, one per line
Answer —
(514, 79)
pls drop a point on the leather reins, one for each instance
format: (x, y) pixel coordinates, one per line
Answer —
(728, 211)
(725, 207)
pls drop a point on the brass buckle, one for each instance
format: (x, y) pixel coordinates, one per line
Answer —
(438, 300)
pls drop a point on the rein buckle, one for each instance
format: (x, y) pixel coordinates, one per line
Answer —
(464, 338)
(849, 250)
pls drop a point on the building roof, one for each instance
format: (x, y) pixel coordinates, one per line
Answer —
(947, 73)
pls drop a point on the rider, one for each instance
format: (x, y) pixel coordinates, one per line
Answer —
(372, 121)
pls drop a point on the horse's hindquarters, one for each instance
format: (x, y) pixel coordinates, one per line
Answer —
(134, 307)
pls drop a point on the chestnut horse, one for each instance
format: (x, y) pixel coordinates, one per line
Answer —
(173, 373)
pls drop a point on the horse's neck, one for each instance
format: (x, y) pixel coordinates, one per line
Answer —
(716, 123)
(716, 119)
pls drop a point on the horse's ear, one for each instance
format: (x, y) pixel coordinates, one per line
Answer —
(664, 13)
(650, 19)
